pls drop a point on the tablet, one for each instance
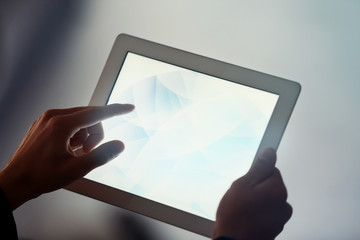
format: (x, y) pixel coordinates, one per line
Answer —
(198, 124)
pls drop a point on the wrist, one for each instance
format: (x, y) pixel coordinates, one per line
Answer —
(16, 189)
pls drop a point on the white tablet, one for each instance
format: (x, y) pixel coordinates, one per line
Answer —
(198, 124)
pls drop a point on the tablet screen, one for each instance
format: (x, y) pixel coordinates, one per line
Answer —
(190, 135)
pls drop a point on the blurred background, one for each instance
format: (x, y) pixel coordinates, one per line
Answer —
(52, 54)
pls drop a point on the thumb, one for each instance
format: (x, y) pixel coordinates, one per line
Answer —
(263, 166)
(99, 156)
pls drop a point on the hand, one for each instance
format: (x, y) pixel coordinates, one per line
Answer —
(255, 206)
(45, 160)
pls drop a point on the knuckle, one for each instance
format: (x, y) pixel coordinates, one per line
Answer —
(277, 194)
(55, 124)
(278, 229)
(277, 171)
(289, 211)
(49, 114)
(281, 193)
(54, 121)
(239, 182)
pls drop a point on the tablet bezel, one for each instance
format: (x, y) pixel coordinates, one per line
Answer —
(288, 92)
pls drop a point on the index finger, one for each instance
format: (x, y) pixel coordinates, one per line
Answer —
(93, 115)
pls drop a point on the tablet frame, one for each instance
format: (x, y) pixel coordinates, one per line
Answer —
(288, 92)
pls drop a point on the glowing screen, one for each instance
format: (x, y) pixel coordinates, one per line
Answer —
(190, 135)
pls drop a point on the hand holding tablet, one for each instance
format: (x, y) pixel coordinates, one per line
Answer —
(255, 206)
